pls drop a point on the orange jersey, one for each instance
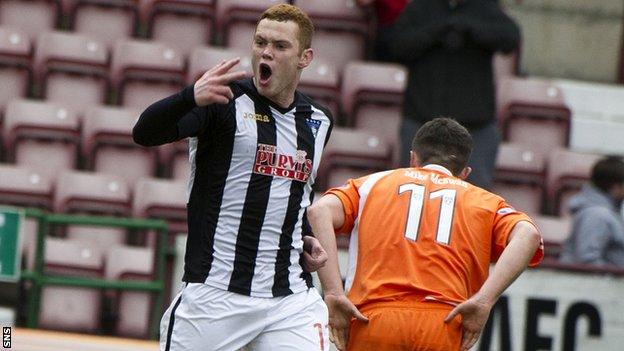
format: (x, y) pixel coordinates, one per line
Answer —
(420, 234)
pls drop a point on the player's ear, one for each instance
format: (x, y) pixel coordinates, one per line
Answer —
(306, 58)
(414, 161)
(465, 172)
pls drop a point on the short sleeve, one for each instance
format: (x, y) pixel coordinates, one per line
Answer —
(505, 219)
(350, 197)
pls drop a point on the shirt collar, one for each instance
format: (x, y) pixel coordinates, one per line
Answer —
(438, 168)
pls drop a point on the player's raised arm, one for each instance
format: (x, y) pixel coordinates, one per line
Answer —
(176, 117)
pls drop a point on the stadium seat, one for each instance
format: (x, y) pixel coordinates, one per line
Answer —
(355, 149)
(554, 230)
(384, 120)
(26, 188)
(175, 160)
(93, 193)
(71, 69)
(143, 72)
(15, 65)
(107, 144)
(533, 109)
(236, 21)
(106, 20)
(338, 176)
(321, 81)
(33, 16)
(368, 83)
(341, 30)
(41, 135)
(206, 57)
(164, 199)
(567, 171)
(183, 24)
(132, 308)
(505, 65)
(520, 175)
(71, 308)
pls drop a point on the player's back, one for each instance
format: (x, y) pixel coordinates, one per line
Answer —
(423, 234)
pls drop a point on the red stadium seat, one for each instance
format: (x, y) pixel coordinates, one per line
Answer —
(26, 188)
(365, 83)
(93, 193)
(321, 81)
(132, 307)
(533, 109)
(15, 57)
(384, 120)
(554, 230)
(33, 16)
(159, 198)
(71, 308)
(236, 20)
(183, 24)
(106, 20)
(204, 58)
(355, 149)
(520, 176)
(143, 72)
(567, 171)
(107, 144)
(71, 69)
(175, 159)
(40, 135)
(341, 30)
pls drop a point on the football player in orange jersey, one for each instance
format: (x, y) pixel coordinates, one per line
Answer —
(422, 240)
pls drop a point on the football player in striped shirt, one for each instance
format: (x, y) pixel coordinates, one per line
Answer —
(255, 147)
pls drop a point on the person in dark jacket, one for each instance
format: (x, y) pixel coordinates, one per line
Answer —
(448, 47)
(597, 235)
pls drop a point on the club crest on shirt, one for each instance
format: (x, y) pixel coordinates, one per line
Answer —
(271, 163)
(506, 211)
(314, 125)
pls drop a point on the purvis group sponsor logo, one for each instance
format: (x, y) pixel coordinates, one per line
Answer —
(270, 163)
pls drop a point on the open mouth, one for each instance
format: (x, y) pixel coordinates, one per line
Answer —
(265, 73)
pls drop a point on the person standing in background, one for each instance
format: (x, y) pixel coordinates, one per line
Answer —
(448, 47)
(387, 12)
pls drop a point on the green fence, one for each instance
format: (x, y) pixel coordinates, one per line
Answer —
(39, 279)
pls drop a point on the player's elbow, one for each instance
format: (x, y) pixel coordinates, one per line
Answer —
(530, 234)
(316, 211)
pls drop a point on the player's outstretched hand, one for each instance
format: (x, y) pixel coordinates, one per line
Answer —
(474, 314)
(341, 311)
(314, 256)
(213, 87)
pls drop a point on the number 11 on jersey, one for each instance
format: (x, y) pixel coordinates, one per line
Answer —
(415, 208)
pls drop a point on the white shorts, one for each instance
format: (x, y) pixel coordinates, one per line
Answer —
(204, 318)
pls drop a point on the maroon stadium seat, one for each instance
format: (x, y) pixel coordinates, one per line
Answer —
(132, 307)
(26, 188)
(384, 120)
(93, 193)
(236, 20)
(183, 24)
(321, 81)
(32, 16)
(554, 230)
(355, 149)
(41, 135)
(520, 176)
(567, 171)
(533, 109)
(341, 30)
(71, 69)
(107, 144)
(204, 58)
(175, 159)
(106, 20)
(71, 308)
(160, 198)
(143, 72)
(366, 83)
(15, 65)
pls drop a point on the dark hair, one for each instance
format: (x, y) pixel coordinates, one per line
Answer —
(445, 142)
(608, 172)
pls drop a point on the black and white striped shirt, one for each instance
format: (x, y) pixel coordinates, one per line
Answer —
(253, 166)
